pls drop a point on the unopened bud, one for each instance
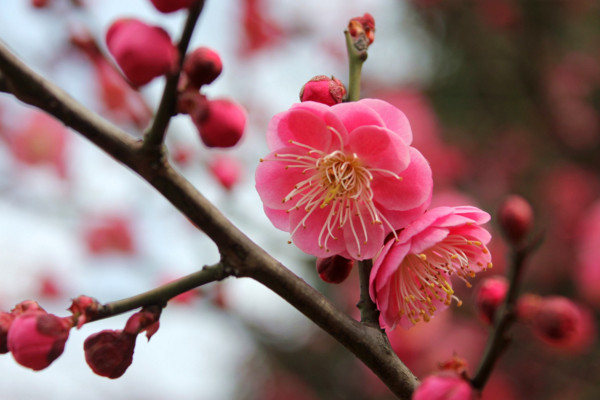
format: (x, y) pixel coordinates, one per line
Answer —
(323, 89)
(334, 269)
(444, 386)
(109, 353)
(26, 306)
(362, 29)
(84, 309)
(36, 339)
(227, 170)
(142, 51)
(515, 217)
(145, 320)
(489, 296)
(557, 320)
(201, 67)
(223, 125)
(6, 320)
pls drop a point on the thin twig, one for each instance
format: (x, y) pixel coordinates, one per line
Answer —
(369, 314)
(155, 135)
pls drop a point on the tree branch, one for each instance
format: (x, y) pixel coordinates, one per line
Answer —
(369, 314)
(240, 256)
(155, 135)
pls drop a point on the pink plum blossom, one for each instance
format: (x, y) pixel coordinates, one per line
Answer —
(340, 178)
(410, 279)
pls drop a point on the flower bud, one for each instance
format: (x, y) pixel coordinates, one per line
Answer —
(169, 6)
(489, 296)
(109, 353)
(145, 320)
(515, 217)
(201, 67)
(84, 309)
(334, 269)
(561, 323)
(36, 339)
(223, 125)
(26, 306)
(227, 170)
(6, 320)
(323, 89)
(142, 51)
(444, 386)
(362, 28)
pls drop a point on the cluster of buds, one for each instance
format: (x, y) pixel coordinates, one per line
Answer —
(110, 352)
(220, 122)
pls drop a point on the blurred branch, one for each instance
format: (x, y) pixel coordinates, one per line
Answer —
(240, 256)
(156, 133)
(162, 294)
(499, 339)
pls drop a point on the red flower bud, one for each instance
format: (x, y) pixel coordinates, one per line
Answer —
(515, 217)
(201, 67)
(36, 339)
(84, 309)
(444, 386)
(109, 353)
(223, 125)
(362, 28)
(227, 170)
(168, 6)
(489, 296)
(26, 306)
(6, 320)
(142, 51)
(145, 320)
(334, 269)
(323, 89)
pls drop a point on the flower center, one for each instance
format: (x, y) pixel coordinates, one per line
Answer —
(338, 182)
(423, 279)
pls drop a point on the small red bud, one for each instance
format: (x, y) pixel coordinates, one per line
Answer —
(142, 51)
(36, 339)
(489, 296)
(515, 217)
(201, 67)
(227, 170)
(25, 307)
(444, 386)
(84, 309)
(109, 353)
(169, 6)
(557, 321)
(223, 125)
(190, 101)
(323, 89)
(334, 269)
(362, 28)
(145, 320)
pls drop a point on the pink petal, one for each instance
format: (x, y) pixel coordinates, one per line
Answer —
(401, 219)
(389, 263)
(279, 218)
(359, 245)
(478, 216)
(426, 239)
(394, 119)
(306, 237)
(354, 115)
(411, 192)
(274, 181)
(379, 148)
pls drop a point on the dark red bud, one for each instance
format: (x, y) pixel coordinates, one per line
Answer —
(201, 67)
(334, 269)
(515, 217)
(109, 353)
(490, 294)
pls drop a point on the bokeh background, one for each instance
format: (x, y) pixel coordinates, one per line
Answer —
(503, 97)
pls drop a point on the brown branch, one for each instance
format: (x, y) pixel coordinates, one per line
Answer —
(240, 257)
(155, 135)
(499, 339)
(369, 314)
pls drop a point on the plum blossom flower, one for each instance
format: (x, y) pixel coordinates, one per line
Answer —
(410, 279)
(340, 178)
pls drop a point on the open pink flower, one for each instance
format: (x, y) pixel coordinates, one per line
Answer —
(340, 178)
(410, 279)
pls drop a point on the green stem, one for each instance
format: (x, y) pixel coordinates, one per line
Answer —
(155, 135)
(357, 55)
(162, 294)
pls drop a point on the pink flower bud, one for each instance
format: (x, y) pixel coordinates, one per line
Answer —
(334, 269)
(109, 353)
(444, 386)
(489, 296)
(145, 320)
(323, 89)
(36, 339)
(201, 67)
(223, 125)
(6, 320)
(142, 51)
(360, 27)
(109, 234)
(190, 101)
(26, 306)
(227, 170)
(561, 323)
(84, 309)
(169, 6)
(515, 217)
